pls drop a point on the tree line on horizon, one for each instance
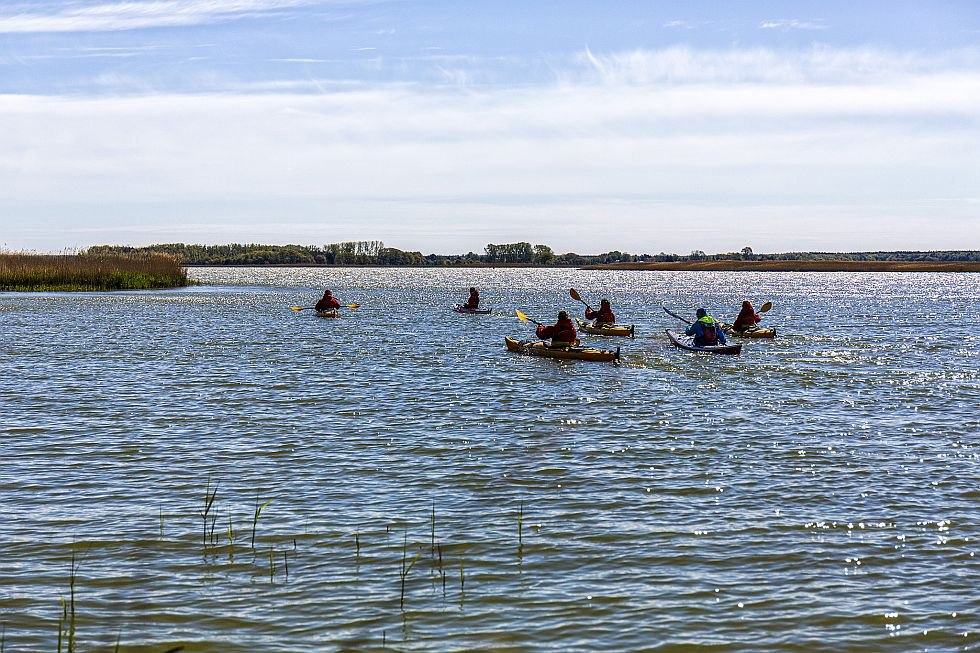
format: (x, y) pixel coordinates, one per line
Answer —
(374, 252)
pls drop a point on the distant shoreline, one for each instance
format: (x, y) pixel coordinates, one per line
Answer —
(794, 266)
(673, 266)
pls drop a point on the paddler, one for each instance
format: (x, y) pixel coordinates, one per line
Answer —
(747, 318)
(603, 317)
(473, 302)
(706, 330)
(327, 302)
(562, 333)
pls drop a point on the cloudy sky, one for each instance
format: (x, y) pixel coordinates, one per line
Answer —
(445, 125)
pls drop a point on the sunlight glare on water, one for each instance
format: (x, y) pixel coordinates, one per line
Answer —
(421, 488)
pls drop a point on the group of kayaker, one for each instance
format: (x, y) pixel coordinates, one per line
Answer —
(707, 331)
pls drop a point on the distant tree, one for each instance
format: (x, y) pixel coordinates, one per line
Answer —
(747, 254)
(543, 255)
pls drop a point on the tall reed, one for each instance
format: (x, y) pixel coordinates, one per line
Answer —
(255, 517)
(406, 568)
(209, 496)
(66, 624)
(87, 272)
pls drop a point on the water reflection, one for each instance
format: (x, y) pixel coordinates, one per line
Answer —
(828, 477)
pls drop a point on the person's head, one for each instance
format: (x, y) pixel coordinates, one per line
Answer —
(327, 293)
(472, 290)
(746, 305)
(604, 303)
(562, 315)
(701, 313)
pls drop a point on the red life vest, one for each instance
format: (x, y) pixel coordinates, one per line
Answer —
(562, 331)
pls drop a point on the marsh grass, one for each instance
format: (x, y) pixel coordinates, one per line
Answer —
(255, 517)
(520, 528)
(209, 497)
(89, 272)
(66, 624)
(231, 540)
(406, 568)
(370, 549)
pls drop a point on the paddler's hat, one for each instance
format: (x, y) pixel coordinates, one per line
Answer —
(700, 313)
(562, 315)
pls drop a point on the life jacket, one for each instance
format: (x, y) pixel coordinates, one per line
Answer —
(562, 332)
(746, 319)
(326, 303)
(709, 331)
(603, 316)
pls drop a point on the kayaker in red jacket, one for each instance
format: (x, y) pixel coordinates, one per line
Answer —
(603, 316)
(747, 317)
(473, 302)
(327, 302)
(562, 333)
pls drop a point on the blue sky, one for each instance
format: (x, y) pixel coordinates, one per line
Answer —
(443, 126)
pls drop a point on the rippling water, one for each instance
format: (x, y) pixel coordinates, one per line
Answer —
(819, 492)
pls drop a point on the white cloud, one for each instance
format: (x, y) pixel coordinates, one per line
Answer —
(793, 23)
(137, 14)
(606, 154)
(683, 65)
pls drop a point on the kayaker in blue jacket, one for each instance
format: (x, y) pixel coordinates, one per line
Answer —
(706, 330)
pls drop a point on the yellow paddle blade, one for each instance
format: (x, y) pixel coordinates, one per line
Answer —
(765, 307)
(296, 308)
(353, 305)
(521, 316)
(574, 294)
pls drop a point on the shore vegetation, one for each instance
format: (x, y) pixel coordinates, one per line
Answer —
(90, 271)
(524, 254)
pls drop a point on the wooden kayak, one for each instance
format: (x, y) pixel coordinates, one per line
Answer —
(539, 348)
(459, 308)
(687, 342)
(607, 330)
(754, 332)
(330, 313)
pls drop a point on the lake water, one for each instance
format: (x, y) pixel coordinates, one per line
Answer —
(819, 492)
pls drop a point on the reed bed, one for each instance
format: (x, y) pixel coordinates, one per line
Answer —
(89, 272)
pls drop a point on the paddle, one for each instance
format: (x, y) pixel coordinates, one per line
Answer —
(525, 318)
(765, 307)
(669, 312)
(577, 297)
(304, 308)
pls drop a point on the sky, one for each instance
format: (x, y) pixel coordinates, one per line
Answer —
(441, 126)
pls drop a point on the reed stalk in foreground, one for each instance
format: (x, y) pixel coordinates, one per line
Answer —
(89, 272)
(406, 568)
(66, 624)
(208, 504)
(255, 517)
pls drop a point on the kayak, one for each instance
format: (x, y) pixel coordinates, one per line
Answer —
(539, 348)
(459, 308)
(608, 330)
(754, 332)
(687, 342)
(330, 313)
